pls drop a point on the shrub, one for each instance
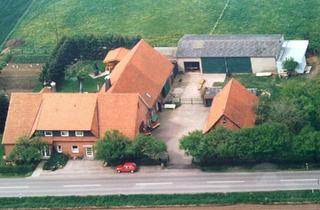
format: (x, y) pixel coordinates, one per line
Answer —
(114, 148)
(148, 150)
(27, 150)
(290, 64)
(56, 161)
(4, 59)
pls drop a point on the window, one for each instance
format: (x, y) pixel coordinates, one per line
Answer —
(79, 133)
(75, 149)
(64, 133)
(48, 133)
(59, 148)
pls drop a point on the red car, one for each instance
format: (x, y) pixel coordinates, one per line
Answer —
(127, 167)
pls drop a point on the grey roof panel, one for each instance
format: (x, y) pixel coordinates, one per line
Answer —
(230, 45)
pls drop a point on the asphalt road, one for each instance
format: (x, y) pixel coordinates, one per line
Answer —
(167, 181)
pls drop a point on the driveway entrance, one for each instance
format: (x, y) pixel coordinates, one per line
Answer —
(190, 116)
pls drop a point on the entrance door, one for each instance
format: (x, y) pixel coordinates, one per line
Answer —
(191, 66)
(89, 152)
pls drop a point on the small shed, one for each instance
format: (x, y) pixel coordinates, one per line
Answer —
(295, 49)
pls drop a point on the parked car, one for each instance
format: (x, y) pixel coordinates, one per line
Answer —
(127, 167)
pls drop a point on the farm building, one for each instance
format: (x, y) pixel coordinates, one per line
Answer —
(71, 123)
(232, 108)
(231, 53)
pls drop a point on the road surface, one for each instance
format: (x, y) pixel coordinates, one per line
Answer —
(168, 181)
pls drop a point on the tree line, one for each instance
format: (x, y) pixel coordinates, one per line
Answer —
(69, 50)
(287, 131)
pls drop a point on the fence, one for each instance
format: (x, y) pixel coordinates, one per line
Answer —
(186, 100)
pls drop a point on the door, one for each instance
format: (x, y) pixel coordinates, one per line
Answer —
(89, 152)
(213, 65)
(191, 66)
(239, 65)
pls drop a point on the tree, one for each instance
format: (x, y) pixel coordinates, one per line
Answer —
(4, 105)
(114, 148)
(148, 147)
(287, 113)
(290, 64)
(79, 70)
(27, 150)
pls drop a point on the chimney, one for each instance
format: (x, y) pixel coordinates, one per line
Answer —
(107, 83)
(53, 86)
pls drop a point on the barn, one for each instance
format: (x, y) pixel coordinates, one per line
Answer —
(229, 53)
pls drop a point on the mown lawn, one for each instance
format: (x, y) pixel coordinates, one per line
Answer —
(271, 84)
(163, 22)
(10, 12)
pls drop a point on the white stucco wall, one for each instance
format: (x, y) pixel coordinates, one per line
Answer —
(263, 65)
(180, 63)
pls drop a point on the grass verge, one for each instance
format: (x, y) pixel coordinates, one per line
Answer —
(281, 197)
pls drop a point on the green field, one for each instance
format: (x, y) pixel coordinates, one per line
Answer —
(163, 22)
(11, 11)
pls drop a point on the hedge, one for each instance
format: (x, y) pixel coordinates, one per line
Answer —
(16, 169)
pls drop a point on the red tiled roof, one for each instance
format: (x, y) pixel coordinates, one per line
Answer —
(22, 113)
(236, 103)
(143, 70)
(119, 112)
(116, 55)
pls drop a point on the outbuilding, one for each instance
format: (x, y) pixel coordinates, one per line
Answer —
(229, 53)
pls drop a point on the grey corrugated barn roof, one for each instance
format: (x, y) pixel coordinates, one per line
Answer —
(192, 46)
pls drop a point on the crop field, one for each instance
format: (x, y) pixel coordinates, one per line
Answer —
(163, 22)
(10, 12)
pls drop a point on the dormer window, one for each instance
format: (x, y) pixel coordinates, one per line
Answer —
(79, 133)
(48, 133)
(64, 133)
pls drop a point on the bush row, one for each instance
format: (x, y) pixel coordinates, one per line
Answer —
(16, 169)
(280, 197)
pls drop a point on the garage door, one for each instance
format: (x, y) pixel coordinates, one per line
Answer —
(213, 65)
(239, 65)
(222, 65)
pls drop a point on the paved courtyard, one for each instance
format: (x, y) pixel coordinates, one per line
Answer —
(175, 124)
(190, 116)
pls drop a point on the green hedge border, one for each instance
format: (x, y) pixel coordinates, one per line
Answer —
(281, 197)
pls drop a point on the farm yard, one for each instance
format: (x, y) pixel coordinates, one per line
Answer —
(163, 22)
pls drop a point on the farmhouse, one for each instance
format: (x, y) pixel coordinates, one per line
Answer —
(235, 53)
(232, 108)
(72, 122)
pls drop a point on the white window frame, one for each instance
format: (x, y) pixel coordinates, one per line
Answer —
(64, 135)
(75, 150)
(59, 148)
(79, 133)
(48, 133)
